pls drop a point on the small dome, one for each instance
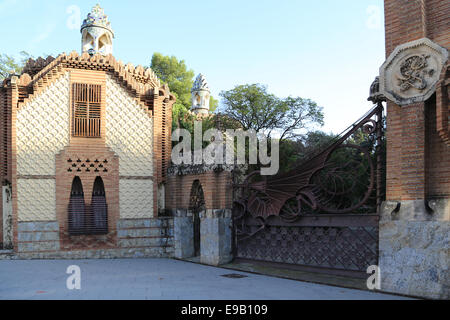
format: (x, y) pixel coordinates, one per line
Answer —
(200, 84)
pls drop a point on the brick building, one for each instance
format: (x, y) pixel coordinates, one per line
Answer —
(84, 149)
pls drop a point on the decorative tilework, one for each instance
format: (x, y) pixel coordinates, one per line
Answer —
(43, 129)
(136, 199)
(36, 199)
(129, 131)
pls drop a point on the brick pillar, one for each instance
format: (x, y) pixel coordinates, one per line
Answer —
(12, 101)
(415, 218)
(2, 156)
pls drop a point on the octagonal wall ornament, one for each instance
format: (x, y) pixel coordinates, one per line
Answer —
(410, 73)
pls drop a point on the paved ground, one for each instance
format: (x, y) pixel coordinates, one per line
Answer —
(155, 279)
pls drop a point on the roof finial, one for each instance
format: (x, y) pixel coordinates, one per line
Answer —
(97, 33)
(200, 95)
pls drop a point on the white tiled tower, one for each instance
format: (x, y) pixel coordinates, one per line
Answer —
(200, 95)
(96, 32)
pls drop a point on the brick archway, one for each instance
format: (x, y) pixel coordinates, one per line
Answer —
(216, 188)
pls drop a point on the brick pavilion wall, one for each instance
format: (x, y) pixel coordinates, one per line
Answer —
(40, 148)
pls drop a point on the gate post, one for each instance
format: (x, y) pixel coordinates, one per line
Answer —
(216, 237)
(414, 241)
(7, 231)
(183, 232)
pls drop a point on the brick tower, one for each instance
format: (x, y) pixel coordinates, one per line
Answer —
(415, 227)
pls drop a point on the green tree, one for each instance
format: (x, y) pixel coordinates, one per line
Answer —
(9, 64)
(253, 107)
(176, 74)
(180, 79)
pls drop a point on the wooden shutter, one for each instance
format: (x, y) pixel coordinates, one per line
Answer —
(86, 101)
(77, 209)
(85, 219)
(99, 208)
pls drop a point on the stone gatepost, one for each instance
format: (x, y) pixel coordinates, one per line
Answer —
(216, 237)
(183, 232)
(7, 217)
(414, 247)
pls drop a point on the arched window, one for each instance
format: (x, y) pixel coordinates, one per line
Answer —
(99, 208)
(197, 99)
(77, 210)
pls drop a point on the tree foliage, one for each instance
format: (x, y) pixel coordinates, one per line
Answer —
(180, 79)
(176, 74)
(253, 107)
(9, 64)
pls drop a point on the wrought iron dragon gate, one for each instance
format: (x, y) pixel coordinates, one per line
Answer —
(324, 213)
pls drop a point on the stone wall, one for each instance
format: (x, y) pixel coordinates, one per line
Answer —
(215, 235)
(38, 237)
(183, 233)
(6, 236)
(415, 250)
(136, 238)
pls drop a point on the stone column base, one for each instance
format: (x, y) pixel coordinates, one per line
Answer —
(216, 237)
(183, 233)
(415, 248)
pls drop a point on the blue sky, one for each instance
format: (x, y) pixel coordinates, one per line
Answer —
(326, 50)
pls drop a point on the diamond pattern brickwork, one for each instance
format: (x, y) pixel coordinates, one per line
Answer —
(128, 131)
(43, 129)
(136, 199)
(36, 199)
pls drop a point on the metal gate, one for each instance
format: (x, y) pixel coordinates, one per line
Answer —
(322, 215)
(196, 205)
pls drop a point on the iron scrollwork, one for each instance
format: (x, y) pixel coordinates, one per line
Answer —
(339, 179)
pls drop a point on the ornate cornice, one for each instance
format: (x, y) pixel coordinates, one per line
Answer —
(141, 82)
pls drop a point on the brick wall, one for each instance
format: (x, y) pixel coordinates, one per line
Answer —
(217, 189)
(438, 157)
(2, 154)
(417, 158)
(93, 152)
(438, 21)
(408, 20)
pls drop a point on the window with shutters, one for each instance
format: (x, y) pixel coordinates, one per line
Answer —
(77, 208)
(86, 113)
(88, 219)
(99, 208)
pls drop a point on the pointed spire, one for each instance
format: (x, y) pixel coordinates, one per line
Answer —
(200, 83)
(200, 95)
